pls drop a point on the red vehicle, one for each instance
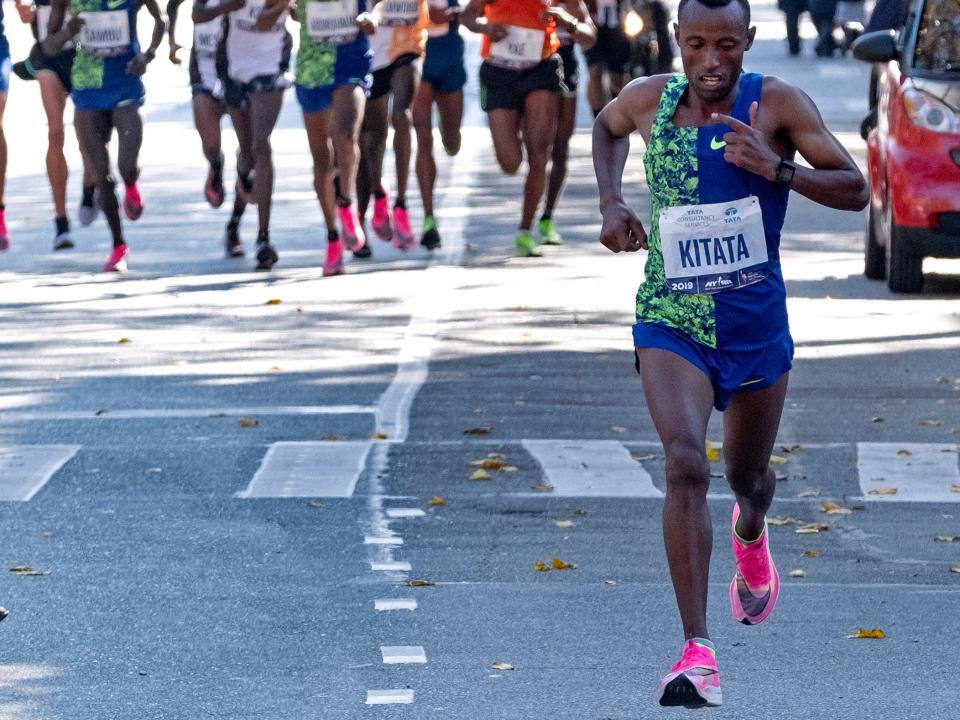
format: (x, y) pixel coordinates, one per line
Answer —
(913, 144)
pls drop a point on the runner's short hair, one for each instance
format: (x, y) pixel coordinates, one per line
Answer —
(744, 4)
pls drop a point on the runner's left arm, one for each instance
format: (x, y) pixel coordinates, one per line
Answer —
(575, 17)
(26, 10)
(138, 63)
(833, 180)
(369, 21)
(173, 9)
(474, 19)
(271, 12)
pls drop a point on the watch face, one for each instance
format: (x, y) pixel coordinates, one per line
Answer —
(785, 172)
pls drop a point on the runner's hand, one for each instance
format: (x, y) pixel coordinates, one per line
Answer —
(26, 11)
(747, 146)
(137, 64)
(367, 23)
(232, 5)
(561, 17)
(174, 49)
(74, 25)
(495, 31)
(622, 230)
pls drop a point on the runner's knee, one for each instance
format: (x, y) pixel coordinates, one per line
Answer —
(687, 468)
(56, 137)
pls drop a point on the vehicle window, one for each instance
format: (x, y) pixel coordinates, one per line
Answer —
(938, 39)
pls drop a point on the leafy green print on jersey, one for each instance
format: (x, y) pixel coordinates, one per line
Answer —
(316, 61)
(672, 177)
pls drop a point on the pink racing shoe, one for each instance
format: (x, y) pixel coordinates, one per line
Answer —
(4, 234)
(117, 261)
(351, 230)
(333, 265)
(694, 682)
(756, 586)
(382, 227)
(402, 234)
(132, 202)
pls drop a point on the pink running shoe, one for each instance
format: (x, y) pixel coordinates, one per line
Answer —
(381, 219)
(756, 586)
(333, 265)
(132, 202)
(402, 234)
(4, 234)
(694, 682)
(118, 259)
(350, 227)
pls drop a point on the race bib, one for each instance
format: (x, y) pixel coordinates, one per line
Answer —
(521, 46)
(333, 22)
(206, 36)
(400, 13)
(105, 32)
(608, 13)
(710, 248)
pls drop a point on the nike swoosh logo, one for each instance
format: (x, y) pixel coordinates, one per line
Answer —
(752, 605)
(716, 144)
(114, 4)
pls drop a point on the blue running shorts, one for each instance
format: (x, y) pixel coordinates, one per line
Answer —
(443, 66)
(729, 371)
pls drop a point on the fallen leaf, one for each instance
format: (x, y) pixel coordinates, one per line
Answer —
(480, 475)
(418, 583)
(275, 368)
(490, 463)
(904, 453)
(315, 504)
(502, 666)
(569, 524)
(482, 430)
(883, 491)
(792, 448)
(558, 564)
(877, 419)
(101, 411)
(618, 429)
(955, 569)
(273, 301)
(581, 511)
(330, 437)
(543, 487)
(436, 501)
(798, 573)
(833, 509)
(864, 634)
(811, 553)
(812, 529)
(541, 567)
(609, 582)
(858, 508)
(946, 538)
(26, 570)
(247, 422)
(713, 450)
(955, 488)
(783, 521)
(932, 423)
(809, 493)
(378, 436)
(123, 341)
(942, 380)
(777, 460)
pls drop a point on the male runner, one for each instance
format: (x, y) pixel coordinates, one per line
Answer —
(333, 77)
(207, 91)
(719, 149)
(4, 88)
(444, 76)
(608, 61)
(257, 49)
(107, 95)
(586, 35)
(398, 48)
(520, 83)
(53, 75)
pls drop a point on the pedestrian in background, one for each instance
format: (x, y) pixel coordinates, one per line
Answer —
(822, 13)
(792, 10)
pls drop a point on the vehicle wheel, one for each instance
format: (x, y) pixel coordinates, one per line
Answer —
(904, 270)
(874, 254)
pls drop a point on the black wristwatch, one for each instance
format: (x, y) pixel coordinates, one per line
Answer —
(785, 172)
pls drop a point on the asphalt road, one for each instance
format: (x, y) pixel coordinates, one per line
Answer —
(223, 481)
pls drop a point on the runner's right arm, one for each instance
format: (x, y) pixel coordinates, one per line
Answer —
(622, 230)
(474, 20)
(173, 8)
(59, 30)
(26, 10)
(203, 13)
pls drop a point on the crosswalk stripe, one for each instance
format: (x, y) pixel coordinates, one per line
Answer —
(400, 696)
(309, 469)
(591, 468)
(25, 469)
(920, 472)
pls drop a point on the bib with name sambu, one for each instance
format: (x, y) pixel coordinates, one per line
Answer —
(522, 47)
(333, 22)
(711, 248)
(106, 32)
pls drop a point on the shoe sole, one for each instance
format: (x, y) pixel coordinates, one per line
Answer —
(132, 213)
(267, 262)
(331, 272)
(63, 245)
(681, 692)
(383, 232)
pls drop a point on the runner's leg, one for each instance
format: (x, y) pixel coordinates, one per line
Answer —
(539, 124)
(129, 125)
(317, 125)
(207, 112)
(680, 399)
(264, 111)
(505, 131)
(373, 145)
(93, 130)
(54, 98)
(349, 102)
(426, 166)
(561, 151)
(403, 87)
(450, 107)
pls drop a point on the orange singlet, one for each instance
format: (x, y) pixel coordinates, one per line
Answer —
(521, 16)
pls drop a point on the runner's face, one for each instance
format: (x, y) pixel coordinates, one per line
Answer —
(712, 42)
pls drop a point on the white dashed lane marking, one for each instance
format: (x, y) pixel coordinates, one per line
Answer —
(389, 697)
(921, 472)
(309, 469)
(400, 513)
(591, 468)
(380, 540)
(386, 604)
(390, 566)
(403, 655)
(25, 469)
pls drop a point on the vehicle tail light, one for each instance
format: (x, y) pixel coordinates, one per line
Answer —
(929, 113)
